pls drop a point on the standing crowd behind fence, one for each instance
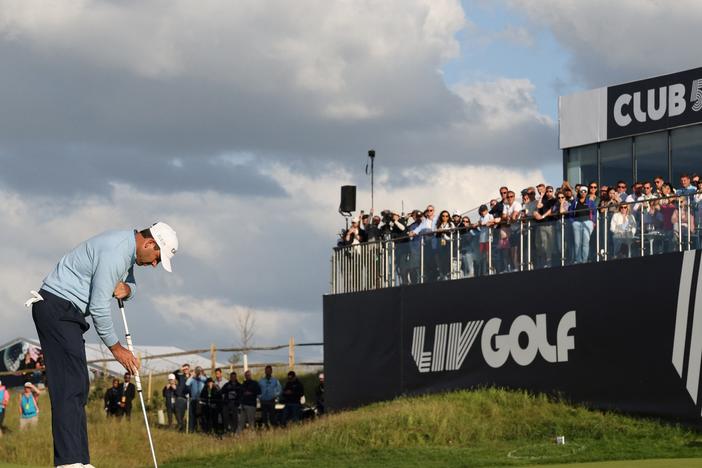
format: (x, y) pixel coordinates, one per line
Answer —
(543, 227)
(225, 405)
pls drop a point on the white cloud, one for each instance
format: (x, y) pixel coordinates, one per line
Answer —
(504, 102)
(272, 325)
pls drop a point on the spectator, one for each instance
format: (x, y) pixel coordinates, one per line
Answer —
(543, 217)
(456, 218)
(353, 234)
(29, 408)
(563, 241)
(582, 214)
(666, 208)
(218, 379)
(4, 400)
(485, 224)
(497, 207)
(169, 396)
(592, 193)
(319, 394)
(443, 248)
(621, 191)
(683, 223)
(128, 394)
(658, 182)
(209, 401)
(469, 247)
(270, 391)
(113, 399)
(291, 398)
(414, 230)
(510, 216)
(182, 394)
(638, 191)
(686, 187)
(646, 208)
(195, 384)
(540, 191)
(250, 389)
(231, 399)
(623, 228)
(373, 232)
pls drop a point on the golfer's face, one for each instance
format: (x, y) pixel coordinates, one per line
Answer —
(148, 253)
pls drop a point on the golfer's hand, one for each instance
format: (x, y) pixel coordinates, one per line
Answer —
(122, 290)
(124, 357)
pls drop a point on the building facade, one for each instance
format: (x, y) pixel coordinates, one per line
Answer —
(633, 131)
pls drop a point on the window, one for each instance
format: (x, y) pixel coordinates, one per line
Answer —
(686, 146)
(581, 164)
(615, 161)
(651, 156)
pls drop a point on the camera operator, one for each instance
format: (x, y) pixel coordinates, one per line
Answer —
(391, 225)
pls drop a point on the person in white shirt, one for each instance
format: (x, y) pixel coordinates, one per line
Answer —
(646, 208)
(510, 216)
(485, 222)
(623, 228)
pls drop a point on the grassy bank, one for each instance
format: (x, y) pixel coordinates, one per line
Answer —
(481, 428)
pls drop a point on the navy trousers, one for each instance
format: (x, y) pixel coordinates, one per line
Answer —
(60, 326)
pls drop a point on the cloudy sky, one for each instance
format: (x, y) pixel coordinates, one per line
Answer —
(236, 122)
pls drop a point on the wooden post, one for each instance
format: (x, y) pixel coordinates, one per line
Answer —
(148, 395)
(213, 358)
(291, 353)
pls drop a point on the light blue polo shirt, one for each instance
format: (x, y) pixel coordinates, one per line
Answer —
(88, 274)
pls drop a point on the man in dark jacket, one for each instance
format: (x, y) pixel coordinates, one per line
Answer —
(231, 399)
(169, 396)
(128, 394)
(210, 400)
(250, 390)
(319, 393)
(113, 397)
(181, 394)
(292, 395)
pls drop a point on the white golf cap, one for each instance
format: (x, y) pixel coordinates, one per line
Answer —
(28, 384)
(167, 241)
(171, 376)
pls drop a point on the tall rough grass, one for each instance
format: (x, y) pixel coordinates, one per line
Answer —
(468, 428)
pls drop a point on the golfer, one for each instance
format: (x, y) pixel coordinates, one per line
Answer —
(83, 283)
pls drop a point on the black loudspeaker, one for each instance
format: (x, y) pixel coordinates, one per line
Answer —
(348, 199)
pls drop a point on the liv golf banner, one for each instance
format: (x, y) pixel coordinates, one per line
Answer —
(623, 335)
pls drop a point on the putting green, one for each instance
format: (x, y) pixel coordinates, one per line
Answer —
(657, 463)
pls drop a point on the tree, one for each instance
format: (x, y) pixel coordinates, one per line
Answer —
(246, 323)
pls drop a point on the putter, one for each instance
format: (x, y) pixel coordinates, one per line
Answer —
(138, 380)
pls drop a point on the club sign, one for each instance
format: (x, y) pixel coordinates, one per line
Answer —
(654, 104)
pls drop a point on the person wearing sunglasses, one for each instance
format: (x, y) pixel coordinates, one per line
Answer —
(582, 214)
(623, 229)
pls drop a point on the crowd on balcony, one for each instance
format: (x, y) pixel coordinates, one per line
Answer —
(556, 224)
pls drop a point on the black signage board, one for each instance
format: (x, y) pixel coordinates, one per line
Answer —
(601, 334)
(654, 104)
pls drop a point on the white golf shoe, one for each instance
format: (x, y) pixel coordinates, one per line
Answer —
(72, 465)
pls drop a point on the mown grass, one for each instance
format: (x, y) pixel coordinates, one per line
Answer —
(468, 428)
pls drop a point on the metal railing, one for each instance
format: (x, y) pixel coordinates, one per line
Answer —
(646, 227)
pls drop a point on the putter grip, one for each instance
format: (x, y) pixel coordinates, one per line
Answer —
(120, 303)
